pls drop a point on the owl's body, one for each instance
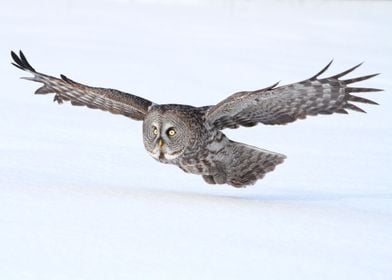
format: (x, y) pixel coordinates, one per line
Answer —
(204, 150)
(191, 137)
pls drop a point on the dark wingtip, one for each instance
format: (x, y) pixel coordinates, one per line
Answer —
(266, 88)
(67, 80)
(359, 89)
(322, 70)
(16, 59)
(361, 99)
(16, 65)
(354, 80)
(24, 60)
(21, 61)
(354, 108)
(273, 86)
(337, 76)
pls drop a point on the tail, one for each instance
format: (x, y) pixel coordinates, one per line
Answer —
(245, 164)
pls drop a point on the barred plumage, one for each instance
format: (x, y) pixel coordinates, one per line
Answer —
(191, 137)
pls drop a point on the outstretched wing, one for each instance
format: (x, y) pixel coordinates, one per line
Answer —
(65, 89)
(285, 104)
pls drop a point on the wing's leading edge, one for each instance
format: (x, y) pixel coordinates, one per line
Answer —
(65, 89)
(285, 104)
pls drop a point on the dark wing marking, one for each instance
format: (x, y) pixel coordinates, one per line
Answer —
(65, 89)
(285, 104)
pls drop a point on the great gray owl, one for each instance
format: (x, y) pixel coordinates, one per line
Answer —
(192, 138)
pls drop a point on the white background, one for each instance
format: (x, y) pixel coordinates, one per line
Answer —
(80, 198)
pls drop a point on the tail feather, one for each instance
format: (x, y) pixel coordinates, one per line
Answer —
(250, 164)
(243, 165)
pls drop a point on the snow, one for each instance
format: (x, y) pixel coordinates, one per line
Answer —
(80, 198)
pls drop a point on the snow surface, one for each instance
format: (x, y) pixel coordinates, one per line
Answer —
(81, 199)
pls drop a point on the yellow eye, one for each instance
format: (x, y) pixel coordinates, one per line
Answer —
(155, 131)
(171, 132)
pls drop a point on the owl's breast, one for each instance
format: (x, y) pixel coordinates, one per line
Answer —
(205, 158)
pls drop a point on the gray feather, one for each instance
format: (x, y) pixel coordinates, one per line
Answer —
(65, 89)
(285, 104)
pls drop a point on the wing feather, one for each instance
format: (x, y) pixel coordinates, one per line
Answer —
(285, 104)
(78, 94)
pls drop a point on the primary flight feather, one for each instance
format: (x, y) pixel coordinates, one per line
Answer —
(191, 137)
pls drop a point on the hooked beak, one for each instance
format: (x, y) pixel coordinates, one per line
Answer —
(160, 142)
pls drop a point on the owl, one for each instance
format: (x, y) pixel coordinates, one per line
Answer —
(192, 138)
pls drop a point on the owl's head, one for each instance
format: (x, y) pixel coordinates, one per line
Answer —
(166, 133)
